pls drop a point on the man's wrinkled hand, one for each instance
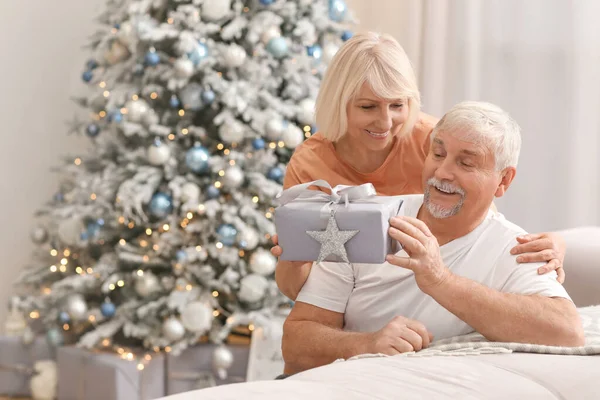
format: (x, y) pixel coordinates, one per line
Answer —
(400, 335)
(423, 250)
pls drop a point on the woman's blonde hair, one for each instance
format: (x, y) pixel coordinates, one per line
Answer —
(377, 59)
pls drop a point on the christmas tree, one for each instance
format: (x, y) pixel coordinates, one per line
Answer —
(159, 236)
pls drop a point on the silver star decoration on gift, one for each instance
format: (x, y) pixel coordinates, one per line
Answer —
(332, 240)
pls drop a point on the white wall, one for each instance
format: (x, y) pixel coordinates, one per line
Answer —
(42, 61)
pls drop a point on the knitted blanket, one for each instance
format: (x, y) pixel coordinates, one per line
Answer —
(475, 344)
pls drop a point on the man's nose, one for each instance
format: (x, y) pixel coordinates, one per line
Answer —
(445, 170)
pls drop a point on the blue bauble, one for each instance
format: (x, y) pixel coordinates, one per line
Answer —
(267, 2)
(92, 130)
(117, 26)
(93, 228)
(347, 35)
(59, 197)
(208, 96)
(84, 236)
(197, 158)
(55, 337)
(212, 192)
(138, 70)
(226, 233)
(100, 221)
(87, 76)
(314, 51)
(277, 47)
(275, 174)
(258, 144)
(174, 102)
(108, 309)
(91, 64)
(161, 205)
(64, 317)
(181, 255)
(115, 116)
(152, 58)
(198, 54)
(337, 10)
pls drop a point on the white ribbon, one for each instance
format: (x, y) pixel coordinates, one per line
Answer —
(339, 194)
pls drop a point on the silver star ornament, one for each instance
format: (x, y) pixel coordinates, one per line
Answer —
(332, 240)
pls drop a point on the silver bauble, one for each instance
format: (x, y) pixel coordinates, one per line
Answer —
(173, 329)
(231, 132)
(146, 284)
(274, 128)
(248, 238)
(76, 307)
(234, 56)
(262, 262)
(329, 51)
(214, 10)
(292, 137)
(234, 177)
(222, 358)
(116, 53)
(69, 231)
(190, 192)
(253, 288)
(137, 110)
(197, 317)
(39, 235)
(158, 154)
(306, 112)
(184, 68)
(270, 33)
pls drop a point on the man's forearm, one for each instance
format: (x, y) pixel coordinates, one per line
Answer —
(308, 344)
(509, 317)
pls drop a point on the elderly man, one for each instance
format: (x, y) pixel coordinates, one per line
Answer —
(455, 274)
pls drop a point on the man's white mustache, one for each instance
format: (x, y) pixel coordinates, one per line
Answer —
(445, 186)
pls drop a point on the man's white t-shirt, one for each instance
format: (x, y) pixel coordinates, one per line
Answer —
(371, 295)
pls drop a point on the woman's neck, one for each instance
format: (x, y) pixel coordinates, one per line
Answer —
(361, 158)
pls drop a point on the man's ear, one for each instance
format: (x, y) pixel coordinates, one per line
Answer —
(508, 174)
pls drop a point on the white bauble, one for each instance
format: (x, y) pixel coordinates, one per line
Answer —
(262, 262)
(137, 110)
(191, 96)
(274, 129)
(69, 231)
(173, 329)
(190, 192)
(253, 288)
(222, 358)
(184, 68)
(197, 317)
(234, 56)
(233, 178)
(249, 238)
(270, 33)
(116, 53)
(231, 131)
(39, 235)
(214, 10)
(44, 383)
(76, 307)
(158, 154)
(292, 137)
(306, 112)
(127, 33)
(329, 51)
(146, 284)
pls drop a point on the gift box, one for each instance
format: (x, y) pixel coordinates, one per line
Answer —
(356, 211)
(87, 375)
(17, 360)
(193, 368)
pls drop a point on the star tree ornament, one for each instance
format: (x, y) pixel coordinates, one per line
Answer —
(332, 240)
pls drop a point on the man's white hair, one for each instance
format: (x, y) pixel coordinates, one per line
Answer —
(484, 123)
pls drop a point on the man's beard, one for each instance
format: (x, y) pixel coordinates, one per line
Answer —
(436, 210)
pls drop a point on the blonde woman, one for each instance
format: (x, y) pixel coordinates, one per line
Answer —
(372, 130)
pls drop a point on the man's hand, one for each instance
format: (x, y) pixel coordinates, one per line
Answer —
(546, 247)
(423, 251)
(289, 275)
(400, 335)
